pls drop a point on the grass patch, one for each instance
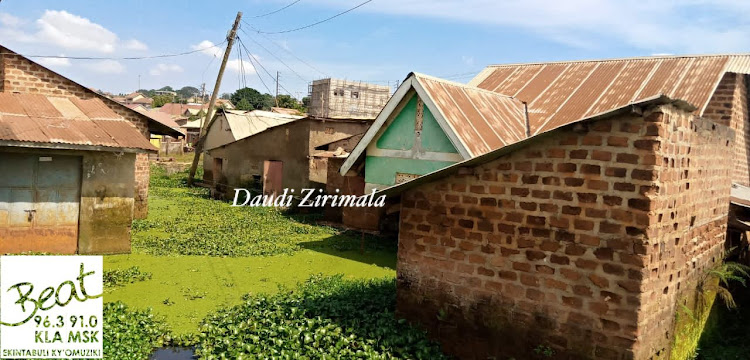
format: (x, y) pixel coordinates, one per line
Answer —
(326, 317)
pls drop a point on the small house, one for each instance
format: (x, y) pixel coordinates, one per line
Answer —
(590, 230)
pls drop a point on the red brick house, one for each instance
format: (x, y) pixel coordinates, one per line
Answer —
(19, 74)
(589, 235)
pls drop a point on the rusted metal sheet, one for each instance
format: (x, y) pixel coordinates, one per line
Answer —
(517, 81)
(562, 92)
(481, 119)
(42, 119)
(497, 77)
(624, 87)
(580, 101)
(700, 81)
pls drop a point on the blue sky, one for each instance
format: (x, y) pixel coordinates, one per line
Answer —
(382, 41)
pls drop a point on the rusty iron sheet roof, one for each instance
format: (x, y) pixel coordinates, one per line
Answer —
(558, 93)
(59, 120)
(482, 120)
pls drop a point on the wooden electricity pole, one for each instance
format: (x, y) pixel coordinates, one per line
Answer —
(207, 122)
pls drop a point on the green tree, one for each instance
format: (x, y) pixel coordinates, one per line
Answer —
(306, 101)
(255, 100)
(226, 96)
(166, 88)
(188, 92)
(160, 100)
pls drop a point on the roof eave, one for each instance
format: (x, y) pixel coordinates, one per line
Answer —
(83, 147)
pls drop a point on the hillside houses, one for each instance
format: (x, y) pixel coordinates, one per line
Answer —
(582, 204)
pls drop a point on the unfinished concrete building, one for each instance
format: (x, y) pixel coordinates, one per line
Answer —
(343, 99)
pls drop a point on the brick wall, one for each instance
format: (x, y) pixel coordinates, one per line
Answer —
(18, 74)
(689, 204)
(549, 245)
(728, 106)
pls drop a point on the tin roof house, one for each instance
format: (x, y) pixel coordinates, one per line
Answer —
(578, 204)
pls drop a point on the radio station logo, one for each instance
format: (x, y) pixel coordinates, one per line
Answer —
(51, 307)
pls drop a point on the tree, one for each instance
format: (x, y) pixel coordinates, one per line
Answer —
(188, 92)
(306, 101)
(160, 100)
(166, 88)
(226, 96)
(255, 100)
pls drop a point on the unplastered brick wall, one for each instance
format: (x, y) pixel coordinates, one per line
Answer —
(728, 106)
(18, 74)
(550, 245)
(688, 207)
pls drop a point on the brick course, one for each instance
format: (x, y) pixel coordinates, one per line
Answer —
(21, 75)
(554, 245)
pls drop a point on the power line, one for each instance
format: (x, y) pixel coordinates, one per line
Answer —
(251, 56)
(253, 65)
(316, 23)
(275, 11)
(287, 50)
(276, 57)
(118, 58)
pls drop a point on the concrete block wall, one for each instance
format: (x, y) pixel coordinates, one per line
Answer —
(18, 74)
(552, 244)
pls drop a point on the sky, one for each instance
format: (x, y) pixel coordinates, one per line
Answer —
(381, 41)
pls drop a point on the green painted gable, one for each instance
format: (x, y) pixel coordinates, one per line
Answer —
(382, 170)
(399, 135)
(433, 136)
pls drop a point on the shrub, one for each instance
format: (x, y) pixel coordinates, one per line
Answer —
(327, 317)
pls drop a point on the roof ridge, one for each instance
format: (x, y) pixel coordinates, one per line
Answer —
(465, 86)
(655, 57)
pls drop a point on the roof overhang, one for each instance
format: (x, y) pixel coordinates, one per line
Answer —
(55, 146)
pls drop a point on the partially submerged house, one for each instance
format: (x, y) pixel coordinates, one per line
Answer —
(290, 150)
(21, 75)
(231, 125)
(586, 224)
(68, 183)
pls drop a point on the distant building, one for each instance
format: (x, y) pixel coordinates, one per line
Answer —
(343, 99)
(289, 154)
(134, 98)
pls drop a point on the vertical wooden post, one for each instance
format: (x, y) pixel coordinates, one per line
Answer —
(206, 123)
(277, 89)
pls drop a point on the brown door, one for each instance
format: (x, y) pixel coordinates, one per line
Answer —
(272, 177)
(39, 203)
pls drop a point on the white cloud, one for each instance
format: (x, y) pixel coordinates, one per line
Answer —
(165, 68)
(664, 26)
(10, 20)
(106, 67)
(208, 48)
(134, 44)
(65, 30)
(74, 32)
(237, 65)
(54, 62)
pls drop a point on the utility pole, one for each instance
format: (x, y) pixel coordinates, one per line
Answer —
(207, 122)
(203, 93)
(277, 89)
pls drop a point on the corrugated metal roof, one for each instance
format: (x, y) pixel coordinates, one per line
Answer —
(248, 123)
(559, 93)
(482, 120)
(58, 120)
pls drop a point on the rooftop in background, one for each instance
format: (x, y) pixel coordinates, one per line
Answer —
(247, 123)
(558, 93)
(177, 110)
(343, 99)
(65, 122)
